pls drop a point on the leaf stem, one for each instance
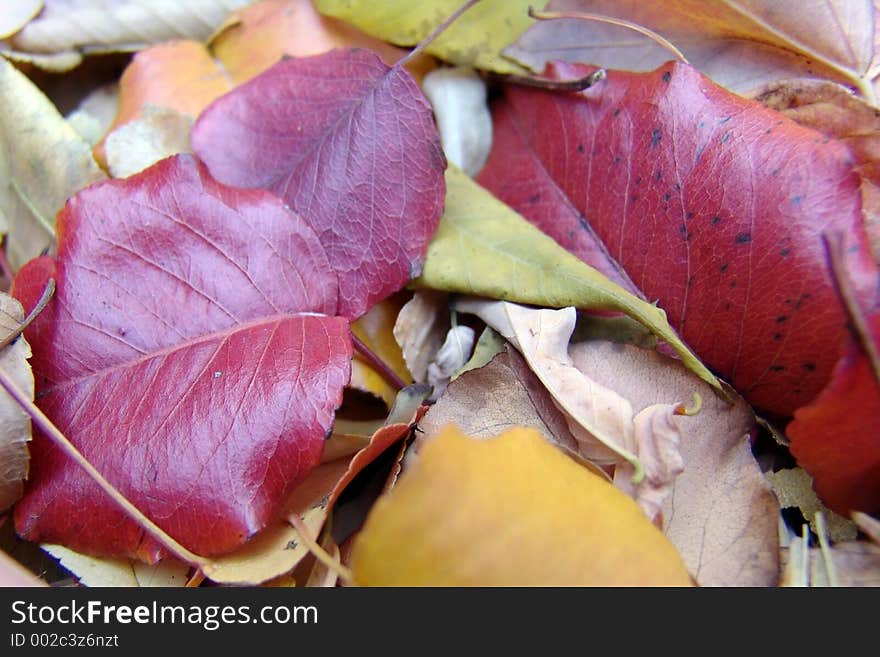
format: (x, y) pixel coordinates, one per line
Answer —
(437, 31)
(600, 18)
(320, 553)
(578, 84)
(60, 440)
(381, 367)
(36, 310)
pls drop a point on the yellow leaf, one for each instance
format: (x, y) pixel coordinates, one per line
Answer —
(376, 331)
(509, 511)
(475, 39)
(483, 248)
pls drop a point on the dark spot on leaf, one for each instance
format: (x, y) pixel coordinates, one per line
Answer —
(782, 319)
(768, 131)
(801, 300)
(656, 136)
(732, 284)
(616, 159)
(716, 220)
(777, 337)
(727, 306)
(724, 120)
(699, 153)
(784, 252)
(582, 220)
(723, 267)
(667, 77)
(658, 175)
(682, 229)
(635, 197)
(580, 148)
(725, 137)
(667, 196)
(776, 171)
(676, 187)
(616, 112)
(291, 545)
(638, 180)
(810, 367)
(690, 281)
(534, 198)
(796, 199)
(743, 238)
(701, 124)
(777, 368)
(689, 215)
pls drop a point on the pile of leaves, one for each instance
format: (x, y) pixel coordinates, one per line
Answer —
(321, 293)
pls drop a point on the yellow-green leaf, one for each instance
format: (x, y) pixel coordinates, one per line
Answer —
(475, 39)
(509, 511)
(43, 161)
(482, 247)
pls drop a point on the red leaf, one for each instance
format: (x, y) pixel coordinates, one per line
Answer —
(348, 143)
(175, 357)
(832, 438)
(712, 204)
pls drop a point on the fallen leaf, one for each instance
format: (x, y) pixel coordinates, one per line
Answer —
(42, 162)
(450, 358)
(134, 146)
(870, 526)
(712, 204)
(264, 31)
(483, 248)
(643, 446)
(79, 27)
(794, 488)
(376, 330)
(509, 511)
(363, 130)
(740, 44)
(420, 329)
(15, 15)
(721, 514)
(15, 425)
(501, 395)
(475, 39)
(95, 572)
(854, 563)
(180, 298)
(278, 549)
(458, 98)
(488, 345)
(95, 113)
(13, 573)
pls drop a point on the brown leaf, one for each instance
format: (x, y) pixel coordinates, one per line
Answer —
(721, 514)
(15, 425)
(741, 44)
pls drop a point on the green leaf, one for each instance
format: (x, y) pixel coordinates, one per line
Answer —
(475, 39)
(483, 248)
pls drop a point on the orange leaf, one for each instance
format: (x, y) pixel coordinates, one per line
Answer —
(505, 512)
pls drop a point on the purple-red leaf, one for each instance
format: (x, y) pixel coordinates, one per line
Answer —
(712, 204)
(176, 357)
(351, 146)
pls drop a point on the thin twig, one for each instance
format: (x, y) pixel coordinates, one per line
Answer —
(319, 552)
(439, 29)
(578, 84)
(600, 18)
(36, 310)
(60, 440)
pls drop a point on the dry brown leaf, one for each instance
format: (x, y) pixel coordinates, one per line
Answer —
(487, 401)
(95, 572)
(156, 134)
(43, 161)
(721, 514)
(608, 430)
(75, 27)
(739, 43)
(15, 425)
(420, 329)
(794, 488)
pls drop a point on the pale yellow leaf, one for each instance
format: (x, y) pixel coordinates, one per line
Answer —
(794, 488)
(43, 161)
(509, 511)
(105, 572)
(420, 329)
(158, 133)
(15, 424)
(15, 14)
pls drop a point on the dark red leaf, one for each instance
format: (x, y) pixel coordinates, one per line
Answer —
(176, 358)
(350, 144)
(712, 204)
